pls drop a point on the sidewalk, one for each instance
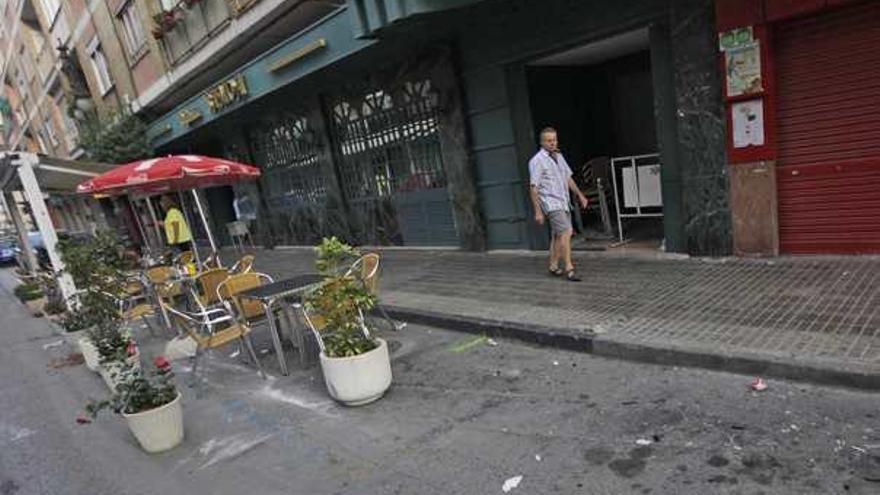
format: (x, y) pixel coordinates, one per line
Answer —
(814, 319)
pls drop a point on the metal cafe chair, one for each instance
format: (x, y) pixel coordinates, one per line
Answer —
(244, 265)
(247, 312)
(206, 284)
(212, 329)
(366, 270)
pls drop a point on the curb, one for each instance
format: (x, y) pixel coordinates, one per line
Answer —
(809, 371)
(534, 334)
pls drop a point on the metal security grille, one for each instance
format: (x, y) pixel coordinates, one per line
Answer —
(389, 142)
(391, 165)
(829, 131)
(288, 152)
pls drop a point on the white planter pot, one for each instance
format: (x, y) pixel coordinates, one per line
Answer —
(158, 429)
(90, 353)
(73, 338)
(358, 380)
(110, 371)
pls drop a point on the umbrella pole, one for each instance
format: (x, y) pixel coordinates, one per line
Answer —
(192, 239)
(137, 222)
(207, 227)
(155, 221)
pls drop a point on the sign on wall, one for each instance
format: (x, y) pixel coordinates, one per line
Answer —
(227, 93)
(735, 38)
(744, 70)
(748, 123)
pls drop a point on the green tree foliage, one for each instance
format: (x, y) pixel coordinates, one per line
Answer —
(121, 138)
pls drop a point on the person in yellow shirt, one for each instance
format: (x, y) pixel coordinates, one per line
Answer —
(177, 231)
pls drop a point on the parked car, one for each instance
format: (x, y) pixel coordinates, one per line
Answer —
(7, 251)
(36, 242)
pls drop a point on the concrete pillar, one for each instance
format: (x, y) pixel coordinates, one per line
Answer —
(30, 259)
(34, 196)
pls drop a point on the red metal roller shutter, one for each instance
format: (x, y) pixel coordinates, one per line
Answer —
(828, 70)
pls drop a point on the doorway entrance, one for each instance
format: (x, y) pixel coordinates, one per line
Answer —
(600, 99)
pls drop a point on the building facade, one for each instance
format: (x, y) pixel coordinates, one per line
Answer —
(411, 123)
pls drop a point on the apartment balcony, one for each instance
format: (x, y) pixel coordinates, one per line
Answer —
(203, 40)
(189, 26)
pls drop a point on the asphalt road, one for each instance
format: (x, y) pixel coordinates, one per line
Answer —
(463, 417)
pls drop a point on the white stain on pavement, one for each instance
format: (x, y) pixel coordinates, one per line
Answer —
(12, 433)
(321, 407)
(218, 450)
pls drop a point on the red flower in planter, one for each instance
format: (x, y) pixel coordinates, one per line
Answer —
(132, 348)
(162, 363)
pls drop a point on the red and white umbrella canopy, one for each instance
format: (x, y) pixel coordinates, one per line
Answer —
(170, 173)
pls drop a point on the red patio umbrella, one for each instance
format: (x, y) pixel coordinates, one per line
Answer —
(171, 173)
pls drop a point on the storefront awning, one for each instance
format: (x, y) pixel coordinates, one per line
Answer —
(53, 174)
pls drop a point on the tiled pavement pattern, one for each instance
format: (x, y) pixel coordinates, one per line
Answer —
(821, 309)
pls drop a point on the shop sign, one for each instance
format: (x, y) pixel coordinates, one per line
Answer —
(227, 93)
(189, 117)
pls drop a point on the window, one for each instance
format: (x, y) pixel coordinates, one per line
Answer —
(168, 4)
(49, 127)
(42, 142)
(133, 28)
(51, 8)
(70, 131)
(100, 66)
(26, 63)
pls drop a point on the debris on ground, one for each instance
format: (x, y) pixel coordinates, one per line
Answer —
(50, 345)
(491, 342)
(643, 441)
(235, 354)
(758, 384)
(469, 344)
(72, 359)
(538, 457)
(555, 363)
(511, 483)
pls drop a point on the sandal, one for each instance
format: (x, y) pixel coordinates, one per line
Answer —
(556, 272)
(571, 277)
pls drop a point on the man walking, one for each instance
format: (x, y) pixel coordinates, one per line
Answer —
(550, 179)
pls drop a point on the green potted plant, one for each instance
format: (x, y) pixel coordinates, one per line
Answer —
(115, 350)
(31, 295)
(151, 406)
(97, 267)
(355, 363)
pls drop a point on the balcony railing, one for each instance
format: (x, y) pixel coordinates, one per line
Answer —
(190, 25)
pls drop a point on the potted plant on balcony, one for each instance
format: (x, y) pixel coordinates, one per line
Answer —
(166, 21)
(151, 406)
(355, 363)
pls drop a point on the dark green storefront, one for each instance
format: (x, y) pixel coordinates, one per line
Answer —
(413, 125)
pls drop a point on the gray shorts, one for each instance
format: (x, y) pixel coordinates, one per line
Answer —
(560, 222)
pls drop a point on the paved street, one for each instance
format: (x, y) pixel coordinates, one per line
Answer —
(812, 318)
(462, 417)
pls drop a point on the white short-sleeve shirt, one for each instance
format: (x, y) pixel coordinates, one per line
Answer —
(550, 178)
